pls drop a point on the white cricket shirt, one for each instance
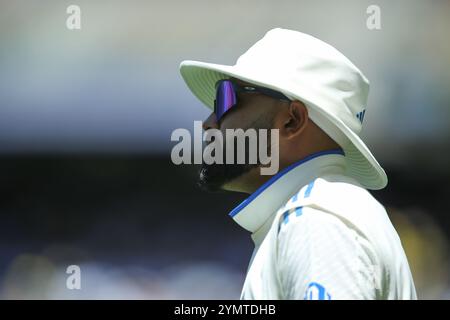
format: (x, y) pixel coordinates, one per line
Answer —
(319, 235)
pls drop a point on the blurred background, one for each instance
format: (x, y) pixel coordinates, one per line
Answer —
(85, 123)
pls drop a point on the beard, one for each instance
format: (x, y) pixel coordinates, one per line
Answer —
(213, 177)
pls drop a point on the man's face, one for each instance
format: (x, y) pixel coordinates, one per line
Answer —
(253, 110)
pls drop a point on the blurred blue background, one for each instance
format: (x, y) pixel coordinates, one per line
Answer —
(85, 123)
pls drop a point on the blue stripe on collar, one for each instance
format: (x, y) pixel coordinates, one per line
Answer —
(267, 184)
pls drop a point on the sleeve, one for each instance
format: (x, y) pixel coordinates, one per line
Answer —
(320, 257)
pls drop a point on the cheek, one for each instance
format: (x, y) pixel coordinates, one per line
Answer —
(245, 113)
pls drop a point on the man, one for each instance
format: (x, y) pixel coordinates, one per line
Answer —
(318, 233)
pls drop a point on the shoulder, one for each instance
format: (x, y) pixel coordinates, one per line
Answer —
(323, 238)
(333, 214)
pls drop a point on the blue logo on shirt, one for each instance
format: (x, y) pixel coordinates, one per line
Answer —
(316, 291)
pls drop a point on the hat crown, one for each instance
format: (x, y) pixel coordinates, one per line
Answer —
(296, 62)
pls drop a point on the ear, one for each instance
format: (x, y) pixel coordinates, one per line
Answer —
(296, 119)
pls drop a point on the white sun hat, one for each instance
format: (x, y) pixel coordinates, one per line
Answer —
(304, 68)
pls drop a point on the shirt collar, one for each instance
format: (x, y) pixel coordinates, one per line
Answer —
(254, 211)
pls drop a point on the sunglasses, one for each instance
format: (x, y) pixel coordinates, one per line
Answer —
(227, 95)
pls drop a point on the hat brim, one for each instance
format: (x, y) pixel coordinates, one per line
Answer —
(200, 77)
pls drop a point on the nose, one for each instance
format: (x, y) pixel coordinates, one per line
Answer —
(211, 122)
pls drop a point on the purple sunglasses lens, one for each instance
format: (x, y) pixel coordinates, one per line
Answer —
(225, 98)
